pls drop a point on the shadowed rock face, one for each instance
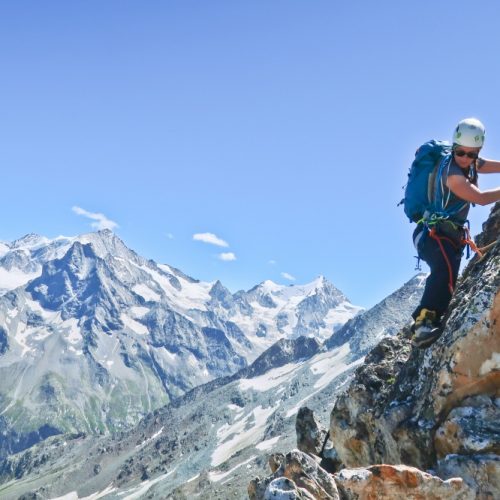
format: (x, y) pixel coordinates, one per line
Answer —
(310, 434)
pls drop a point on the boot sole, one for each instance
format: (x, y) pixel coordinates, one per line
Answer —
(433, 336)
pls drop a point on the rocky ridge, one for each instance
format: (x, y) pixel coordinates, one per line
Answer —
(408, 410)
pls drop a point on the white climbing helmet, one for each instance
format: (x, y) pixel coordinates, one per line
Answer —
(469, 133)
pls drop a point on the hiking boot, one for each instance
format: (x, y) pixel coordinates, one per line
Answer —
(426, 329)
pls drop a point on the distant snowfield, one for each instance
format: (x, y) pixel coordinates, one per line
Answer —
(9, 280)
(219, 476)
(135, 493)
(248, 427)
(146, 293)
(138, 492)
(191, 295)
(268, 444)
(134, 325)
(271, 379)
(329, 365)
(338, 317)
(95, 496)
(162, 284)
(242, 433)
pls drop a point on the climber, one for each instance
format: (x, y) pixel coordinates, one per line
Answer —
(441, 233)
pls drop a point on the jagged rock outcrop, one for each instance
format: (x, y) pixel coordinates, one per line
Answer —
(436, 409)
(298, 476)
(417, 407)
(311, 435)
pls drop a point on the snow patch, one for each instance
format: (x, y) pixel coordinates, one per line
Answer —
(9, 280)
(235, 437)
(332, 365)
(146, 293)
(95, 496)
(191, 295)
(3, 249)
(270, 379)
(337, 317)
(219, 476)
(152, 438)
(72, 331)
(267, 445)
(133, 325)
(329, 365)
(138, 311)
(137, 493)
(76, 351)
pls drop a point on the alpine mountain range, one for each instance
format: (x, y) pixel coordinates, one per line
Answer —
(94, 338)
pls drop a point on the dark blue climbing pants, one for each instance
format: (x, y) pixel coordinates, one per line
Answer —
(437, 294)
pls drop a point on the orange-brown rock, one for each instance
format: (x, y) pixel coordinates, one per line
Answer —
(394, 482)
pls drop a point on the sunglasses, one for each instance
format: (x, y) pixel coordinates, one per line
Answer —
(470, 154)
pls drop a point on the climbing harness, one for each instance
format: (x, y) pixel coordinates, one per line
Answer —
(431, 226)
(470, 243)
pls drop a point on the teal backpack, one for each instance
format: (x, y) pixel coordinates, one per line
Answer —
(424, 196)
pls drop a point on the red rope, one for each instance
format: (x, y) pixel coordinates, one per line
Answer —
(433, 235)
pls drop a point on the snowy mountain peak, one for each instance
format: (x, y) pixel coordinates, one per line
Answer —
(221, 295)
(317, 286)
(218, 288)
(320, 280)
(106, 243)
(29, 241)
(87, 311)
(267, 286)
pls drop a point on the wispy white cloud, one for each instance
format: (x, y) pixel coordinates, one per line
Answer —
(170, 236)
(288, 276)
(272, 262)
(227, 256)
(210, 238)
(101, 221)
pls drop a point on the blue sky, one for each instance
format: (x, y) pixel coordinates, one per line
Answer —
(239, 140)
